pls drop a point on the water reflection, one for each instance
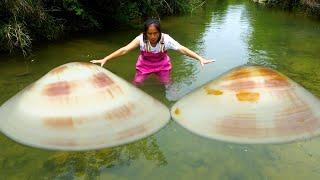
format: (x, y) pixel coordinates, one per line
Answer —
(229, 28)
(287, 43)
(218, 160)
(14, 77)
(91, 164)
(66, 165)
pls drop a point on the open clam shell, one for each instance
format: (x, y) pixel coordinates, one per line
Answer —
(81, 106)
(250, 104)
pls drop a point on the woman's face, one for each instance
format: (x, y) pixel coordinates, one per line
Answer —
(153, 34)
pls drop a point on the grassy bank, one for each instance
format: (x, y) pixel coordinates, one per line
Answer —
(23, 22)
(308, 7)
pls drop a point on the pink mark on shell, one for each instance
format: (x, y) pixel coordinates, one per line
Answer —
(122, 112)
(59, 122)
(58, 70)
(277, 81)
(273, 79)
(101, 80)
(62, 142)
(239, 74)
(296, 120)
(57, 89)
(131, 132)
(241, 125)
(238, 85)
(267, 72)
(242, 79)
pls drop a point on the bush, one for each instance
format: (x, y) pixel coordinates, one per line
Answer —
(25, 21)
(310, 7)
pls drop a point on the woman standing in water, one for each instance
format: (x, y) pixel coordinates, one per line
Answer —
(153, 56)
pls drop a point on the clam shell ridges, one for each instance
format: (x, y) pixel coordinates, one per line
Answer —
(81, 106)
(250, 104)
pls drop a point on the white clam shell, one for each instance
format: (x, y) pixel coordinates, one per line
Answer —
(81, 106)
(250, 104)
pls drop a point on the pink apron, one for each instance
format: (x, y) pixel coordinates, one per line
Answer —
(157, 63)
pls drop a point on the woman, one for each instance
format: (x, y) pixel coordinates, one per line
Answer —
(153, 56)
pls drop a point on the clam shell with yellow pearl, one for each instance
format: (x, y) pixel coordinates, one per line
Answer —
(81, 106)
(250, 104)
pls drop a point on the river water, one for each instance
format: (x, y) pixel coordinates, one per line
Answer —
(231, 32)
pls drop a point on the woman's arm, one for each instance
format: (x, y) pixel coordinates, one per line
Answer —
(188, 52)
(122, 51)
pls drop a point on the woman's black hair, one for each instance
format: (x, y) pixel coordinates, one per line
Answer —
(148, 22)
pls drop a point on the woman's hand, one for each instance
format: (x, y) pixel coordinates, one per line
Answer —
(101, 61)
(124, 50)
(205, 61)
(188, 52)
